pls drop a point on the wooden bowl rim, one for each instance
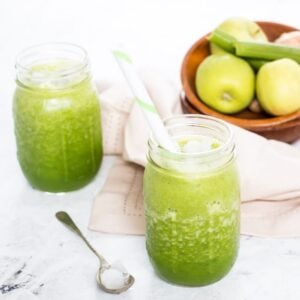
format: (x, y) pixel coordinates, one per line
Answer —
(202, 107)
(289, 124)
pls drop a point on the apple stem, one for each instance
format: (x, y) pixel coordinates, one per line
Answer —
(226, 97)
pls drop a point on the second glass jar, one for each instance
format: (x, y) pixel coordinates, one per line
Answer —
(57, 118)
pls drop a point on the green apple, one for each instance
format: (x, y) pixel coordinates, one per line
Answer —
(278, 87)
(225, 83)
(242, 29)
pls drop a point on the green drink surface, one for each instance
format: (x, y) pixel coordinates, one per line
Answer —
(58, 135)
(192, 223)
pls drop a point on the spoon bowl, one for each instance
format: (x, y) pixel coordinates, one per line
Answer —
(128, 281)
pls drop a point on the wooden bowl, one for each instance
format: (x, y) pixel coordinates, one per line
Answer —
(284, 128)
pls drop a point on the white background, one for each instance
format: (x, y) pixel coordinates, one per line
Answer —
(157, 33)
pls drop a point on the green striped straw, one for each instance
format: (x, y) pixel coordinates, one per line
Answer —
(144, 101)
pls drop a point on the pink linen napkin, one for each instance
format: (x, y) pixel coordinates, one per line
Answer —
(269, 170)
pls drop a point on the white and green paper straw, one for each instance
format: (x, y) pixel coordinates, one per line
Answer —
(144, 101)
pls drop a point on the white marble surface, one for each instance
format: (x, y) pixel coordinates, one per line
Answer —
(39, 258)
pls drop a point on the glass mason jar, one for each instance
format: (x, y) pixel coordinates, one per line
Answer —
(192, 202)
(57, 117)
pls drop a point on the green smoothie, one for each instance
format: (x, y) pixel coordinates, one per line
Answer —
(58, 131)
(192, 217)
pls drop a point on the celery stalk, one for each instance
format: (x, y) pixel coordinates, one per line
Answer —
(266, 51)
(256, 53)
(223, 40)
(256, 64)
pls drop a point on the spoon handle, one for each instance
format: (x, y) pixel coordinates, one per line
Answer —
(63, 217)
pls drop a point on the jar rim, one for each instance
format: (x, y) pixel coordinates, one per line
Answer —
(201, 162)
(68, 48)
(152, 143)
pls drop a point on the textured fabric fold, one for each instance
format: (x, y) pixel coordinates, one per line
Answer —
(119, 206)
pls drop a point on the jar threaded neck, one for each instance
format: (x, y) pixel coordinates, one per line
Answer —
(196, 126)
(52, 66)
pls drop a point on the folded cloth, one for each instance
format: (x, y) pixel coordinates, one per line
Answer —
(269, 170)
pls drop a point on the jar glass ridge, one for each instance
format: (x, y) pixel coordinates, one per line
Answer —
(52, 65)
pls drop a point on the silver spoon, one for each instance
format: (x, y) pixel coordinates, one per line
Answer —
(104, 265)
